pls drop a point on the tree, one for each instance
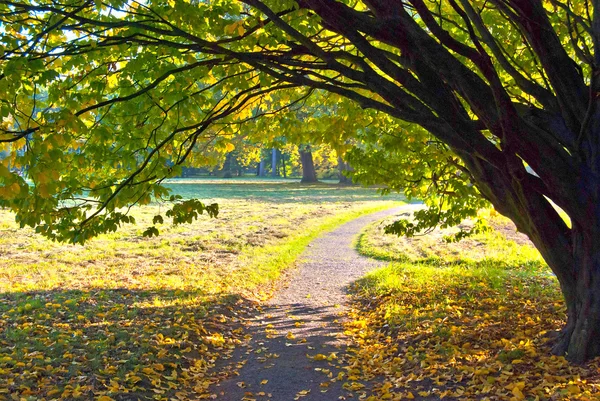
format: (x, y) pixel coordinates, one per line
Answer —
(309, 174)
(109, 97)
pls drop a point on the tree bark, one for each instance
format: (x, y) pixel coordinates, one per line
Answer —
(572, 253)
(579, 339)
(309, 174)
(283, 165)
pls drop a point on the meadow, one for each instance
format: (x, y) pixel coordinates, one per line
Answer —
(126, 317)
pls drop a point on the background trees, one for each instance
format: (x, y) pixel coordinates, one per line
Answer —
(109, 98)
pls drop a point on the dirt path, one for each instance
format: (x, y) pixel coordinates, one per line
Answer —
(303, 320)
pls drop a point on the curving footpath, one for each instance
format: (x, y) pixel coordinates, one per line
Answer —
(295, 346)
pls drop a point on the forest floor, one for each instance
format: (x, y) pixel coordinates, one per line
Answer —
(468, 320)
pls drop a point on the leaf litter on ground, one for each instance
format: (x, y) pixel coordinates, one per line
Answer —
(472, 325)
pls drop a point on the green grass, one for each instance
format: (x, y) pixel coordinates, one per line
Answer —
(276, 190)
(502, 246)
(128, 317)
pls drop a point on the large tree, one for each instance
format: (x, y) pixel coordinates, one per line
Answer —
(103, 99)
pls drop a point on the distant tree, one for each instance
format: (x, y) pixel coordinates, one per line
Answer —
(497, 86)
(343, 169)
(309, 174)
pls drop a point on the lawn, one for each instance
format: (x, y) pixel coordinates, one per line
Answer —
(126, 317)
(468, 321)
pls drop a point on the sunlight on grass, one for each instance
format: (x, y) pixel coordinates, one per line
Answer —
(468, 320)
(502, 245)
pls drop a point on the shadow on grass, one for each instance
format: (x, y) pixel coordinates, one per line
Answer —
(121, 343)
(465, 336)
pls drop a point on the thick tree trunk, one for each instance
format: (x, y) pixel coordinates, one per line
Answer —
(308, 166)
(580, 338)
(572, 252)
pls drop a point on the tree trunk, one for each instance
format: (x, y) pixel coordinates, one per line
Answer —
(283, 165)
(274, 163)
(308, 166)
(579, 340)
(261, 169)
(572, 252)
(342, 167)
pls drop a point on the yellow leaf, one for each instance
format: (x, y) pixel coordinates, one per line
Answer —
(4, 171)
(517, 393)
(15, 188)
(104, 398)
(231, 28)
(240, 29)
(43, 191)
(264, 381)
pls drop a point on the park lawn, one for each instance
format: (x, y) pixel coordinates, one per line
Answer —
(467, 321)
(126, 317)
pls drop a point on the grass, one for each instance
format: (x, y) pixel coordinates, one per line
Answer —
(126, 317)
(470, 320)
(502, 246)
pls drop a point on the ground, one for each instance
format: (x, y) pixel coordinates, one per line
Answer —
(127, 318)
(471, 320)
(297, 346)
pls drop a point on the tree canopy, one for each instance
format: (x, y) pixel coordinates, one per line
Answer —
(464, 101)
